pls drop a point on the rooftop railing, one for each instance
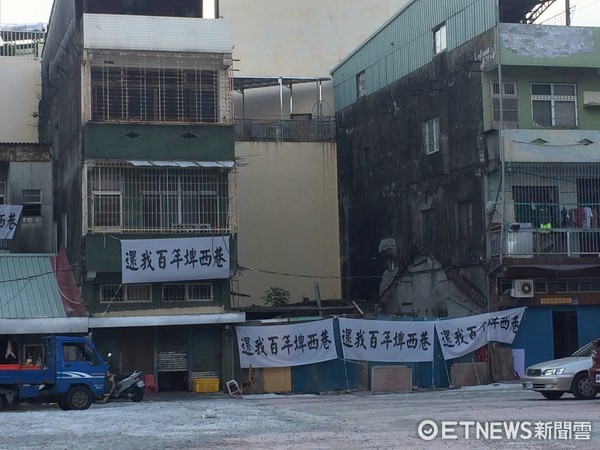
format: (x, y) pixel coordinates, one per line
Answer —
(22, 43)
(292, 130)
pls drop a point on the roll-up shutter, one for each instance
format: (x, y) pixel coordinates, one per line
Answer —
(206, 349)
(172, 353)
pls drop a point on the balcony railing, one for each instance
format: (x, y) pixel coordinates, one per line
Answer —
(293, 130)
(528, 243)
(22, 43)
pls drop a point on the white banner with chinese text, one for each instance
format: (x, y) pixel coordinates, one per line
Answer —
(178, 259)
(286, 345)
(387, 341)
(466, 334)
(9, 218)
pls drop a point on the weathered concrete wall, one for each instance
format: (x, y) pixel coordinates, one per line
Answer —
(60, 122)
(386, 180)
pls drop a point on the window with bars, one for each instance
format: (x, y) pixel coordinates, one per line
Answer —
(554, 105)
(154, 94)
(187, 292)
(132, 293)
(510, 103)
(158, 200)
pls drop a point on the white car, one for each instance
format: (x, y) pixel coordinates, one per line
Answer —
(553, 378)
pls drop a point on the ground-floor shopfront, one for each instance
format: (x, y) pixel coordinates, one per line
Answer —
(174, 349)
(555, 331)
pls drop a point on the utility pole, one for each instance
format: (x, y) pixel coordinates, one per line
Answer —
(568, 12)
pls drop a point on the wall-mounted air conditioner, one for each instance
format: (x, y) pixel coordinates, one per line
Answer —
(522, 288)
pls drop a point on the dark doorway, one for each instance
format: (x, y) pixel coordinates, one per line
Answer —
(564, 325)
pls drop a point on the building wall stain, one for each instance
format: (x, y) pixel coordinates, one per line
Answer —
(391, 190)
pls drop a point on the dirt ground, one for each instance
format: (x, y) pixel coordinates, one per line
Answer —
(338, 421)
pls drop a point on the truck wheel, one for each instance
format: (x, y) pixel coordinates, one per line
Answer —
(62, 404)
(78, 398)
(138, 394)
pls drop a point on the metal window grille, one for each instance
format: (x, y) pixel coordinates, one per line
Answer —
(134, 293)
(187, 292)
(155, 94)
(431, 135)
(547, 208)
(158, 200)
(510, 102)
(554, 105)
(565, 285)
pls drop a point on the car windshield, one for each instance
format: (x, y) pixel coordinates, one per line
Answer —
(586, 350)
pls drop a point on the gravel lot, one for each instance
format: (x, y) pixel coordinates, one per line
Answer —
(337, 421)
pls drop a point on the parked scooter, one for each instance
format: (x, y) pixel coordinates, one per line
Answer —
(127, 386)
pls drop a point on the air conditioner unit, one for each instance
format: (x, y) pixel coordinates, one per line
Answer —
(522, 288)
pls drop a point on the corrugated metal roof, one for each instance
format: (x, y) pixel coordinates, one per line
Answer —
(28, 287)
(241, 83)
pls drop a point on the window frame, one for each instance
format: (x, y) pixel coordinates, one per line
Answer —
(32, 207)
(553, 99)
(360, 84)
(164, 94)
(124, 293)
(464, 219)
(440, 39)
(510, 102)
(431, 128)
(187, 297)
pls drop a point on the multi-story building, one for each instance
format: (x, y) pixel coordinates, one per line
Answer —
(285, 140)
(469, 170)
(38, 295)
(137, 104)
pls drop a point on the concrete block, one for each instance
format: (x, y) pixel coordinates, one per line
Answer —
(469, 374)
(391, 379)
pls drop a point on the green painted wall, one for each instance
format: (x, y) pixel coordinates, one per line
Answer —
(585, 79)
(159, 142)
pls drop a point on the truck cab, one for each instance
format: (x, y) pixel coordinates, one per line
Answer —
(74, 374)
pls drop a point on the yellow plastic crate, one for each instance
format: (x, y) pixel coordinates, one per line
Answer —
(206, 385)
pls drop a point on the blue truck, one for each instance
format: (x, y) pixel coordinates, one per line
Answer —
(73, 374)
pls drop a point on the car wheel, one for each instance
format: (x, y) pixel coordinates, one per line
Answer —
(552, 395)
(582, 389)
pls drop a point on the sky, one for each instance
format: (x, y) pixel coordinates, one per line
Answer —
(585, 12)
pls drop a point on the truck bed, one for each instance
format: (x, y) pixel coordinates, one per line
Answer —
(11, 374)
